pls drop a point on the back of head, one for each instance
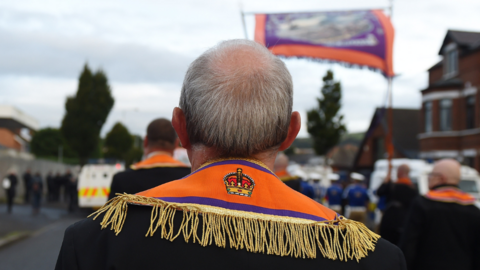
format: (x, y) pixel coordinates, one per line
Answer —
(161, 135)
(403, 171)
(281, 162)
(237, 97)
(449, 169)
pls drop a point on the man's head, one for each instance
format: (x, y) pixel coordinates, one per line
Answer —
(281, 162)
(160, 136)
(403, 171)
(237, 99)
(445, 171)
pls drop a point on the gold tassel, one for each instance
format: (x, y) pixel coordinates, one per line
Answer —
(341, 239)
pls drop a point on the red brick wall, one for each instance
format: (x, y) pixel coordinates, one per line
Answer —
(7, 138)
(439, 143)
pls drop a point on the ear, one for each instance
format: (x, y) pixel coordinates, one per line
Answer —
(293, 129)
(180, 126)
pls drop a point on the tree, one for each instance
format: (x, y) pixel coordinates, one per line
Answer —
(118, 142)
(135, 153)
(46, 142)
(86, 113)
(325, 123)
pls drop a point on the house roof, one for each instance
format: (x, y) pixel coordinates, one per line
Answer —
(406, 126)
(13, 118)
(464, 39)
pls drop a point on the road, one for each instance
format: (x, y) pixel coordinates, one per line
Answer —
(37, 252)
(40, 250)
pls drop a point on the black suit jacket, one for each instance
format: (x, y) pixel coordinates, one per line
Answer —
(440, 235)
(134, 181)
(86, 246)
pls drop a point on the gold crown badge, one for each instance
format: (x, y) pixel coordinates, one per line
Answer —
(238, 183)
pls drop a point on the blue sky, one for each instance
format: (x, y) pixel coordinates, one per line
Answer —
(145, 48)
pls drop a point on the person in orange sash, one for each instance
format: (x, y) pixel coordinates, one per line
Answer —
(158, 167)
(442, 230)
(232, 211)
(280, 168)
(399, 197)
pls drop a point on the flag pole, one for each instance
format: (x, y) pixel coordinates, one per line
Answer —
(389, 138)
(243, 19)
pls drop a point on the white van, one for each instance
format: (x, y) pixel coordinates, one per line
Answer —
(94, 184)
(419, 170)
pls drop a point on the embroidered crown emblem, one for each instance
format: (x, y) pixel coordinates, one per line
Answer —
(238, 183)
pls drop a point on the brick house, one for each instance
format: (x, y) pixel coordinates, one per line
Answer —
(450, 122)
(12, 122)
(406, 126)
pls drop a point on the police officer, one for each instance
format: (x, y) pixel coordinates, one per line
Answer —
(158, 167)
(357, 198)
(334, 194)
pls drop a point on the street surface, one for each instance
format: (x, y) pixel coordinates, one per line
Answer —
(40, 250)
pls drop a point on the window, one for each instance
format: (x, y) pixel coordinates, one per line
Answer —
(445, 114)
(428, 116)
(450, 63)
(470, 112)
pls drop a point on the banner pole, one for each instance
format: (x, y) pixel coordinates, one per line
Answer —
(243, 19)
(390, 148)
(389, 138)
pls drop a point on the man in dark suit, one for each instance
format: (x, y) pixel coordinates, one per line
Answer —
(231, 212)
(158, 167)
(442, 230)
(399, 196)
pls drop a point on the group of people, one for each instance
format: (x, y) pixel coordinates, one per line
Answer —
(230, 210)
(34, 188)
(351, 200)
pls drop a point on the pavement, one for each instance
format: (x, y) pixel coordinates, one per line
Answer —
(30, 241)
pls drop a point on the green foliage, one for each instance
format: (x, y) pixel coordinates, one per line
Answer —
(46, 142)
(118, 142)
(86, 113)
(133, 156)
(325, 123)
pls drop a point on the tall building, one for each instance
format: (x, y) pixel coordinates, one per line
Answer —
(450, 124)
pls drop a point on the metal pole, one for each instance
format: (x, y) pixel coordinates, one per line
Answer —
(243, 19)
(390, 149)
(390, 9)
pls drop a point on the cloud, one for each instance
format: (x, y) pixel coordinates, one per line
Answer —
(41, 54)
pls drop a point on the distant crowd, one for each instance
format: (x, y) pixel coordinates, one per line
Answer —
(60, 188)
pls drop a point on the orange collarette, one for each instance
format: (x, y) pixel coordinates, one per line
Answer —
(161, 159)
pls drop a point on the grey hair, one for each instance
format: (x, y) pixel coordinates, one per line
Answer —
(237, 97)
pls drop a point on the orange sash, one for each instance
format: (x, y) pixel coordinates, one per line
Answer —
(450, 195)
(159, 160)
(242, 203)
(264, 193)
(404, 181)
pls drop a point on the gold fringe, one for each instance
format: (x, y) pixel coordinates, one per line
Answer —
(340, 239)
